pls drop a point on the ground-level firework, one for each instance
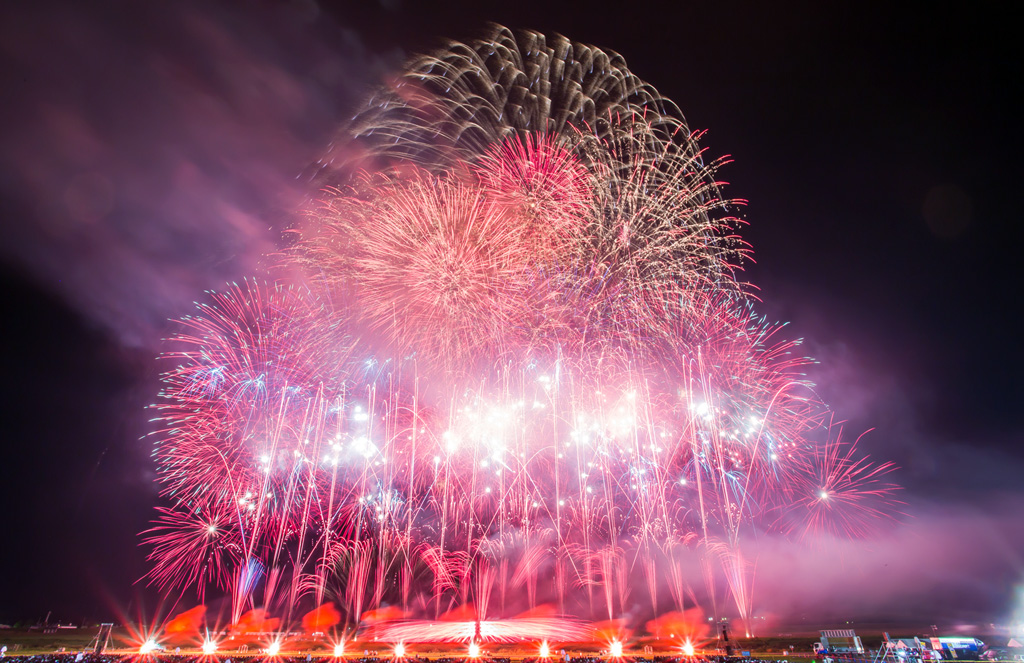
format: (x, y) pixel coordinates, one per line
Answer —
(504, 362)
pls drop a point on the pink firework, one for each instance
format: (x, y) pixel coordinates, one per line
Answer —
(521, 368)
(193, 548)
(434, 260)
(254, 354)
(841, 493)
(247, 414)
(555, 629)
(543, 188)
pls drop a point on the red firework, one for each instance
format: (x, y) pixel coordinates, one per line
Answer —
(841, 493)
(194, 548)
(543, 189)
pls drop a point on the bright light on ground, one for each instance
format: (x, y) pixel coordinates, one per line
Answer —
(274, 648)
(545, 651)
(209, 647)
(399, 650)
(339, 649)
(474, 650)
(615, 649)
(148, 647)
(687, 648)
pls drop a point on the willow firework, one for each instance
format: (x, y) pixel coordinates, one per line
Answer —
(514, 349)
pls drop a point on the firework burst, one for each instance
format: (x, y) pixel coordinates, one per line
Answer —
(840, 493)
(523, 354)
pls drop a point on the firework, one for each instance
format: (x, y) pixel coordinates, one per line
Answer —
(192, 548)
(840, 493)
(522, 368)
(544, 191)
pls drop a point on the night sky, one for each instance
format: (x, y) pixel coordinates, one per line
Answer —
(151, 151)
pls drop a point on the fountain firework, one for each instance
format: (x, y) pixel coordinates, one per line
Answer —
(513, 349)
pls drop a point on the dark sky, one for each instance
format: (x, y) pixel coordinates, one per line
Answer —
(151, 151)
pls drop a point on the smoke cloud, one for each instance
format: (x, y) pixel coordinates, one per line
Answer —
(154, 151)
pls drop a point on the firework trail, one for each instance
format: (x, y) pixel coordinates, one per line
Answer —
(521, 362)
